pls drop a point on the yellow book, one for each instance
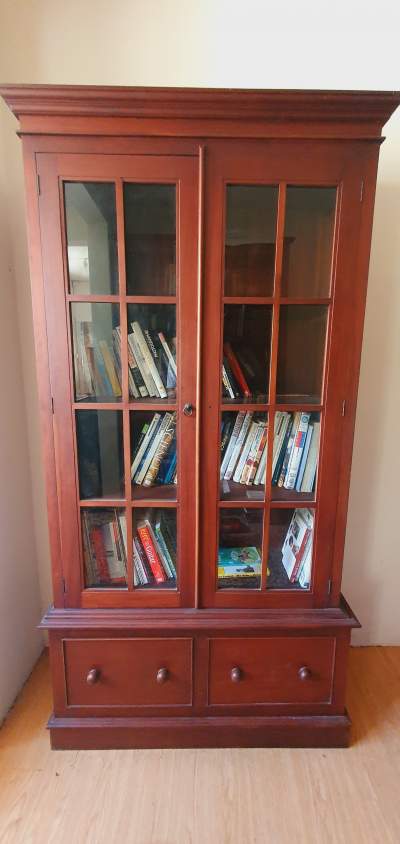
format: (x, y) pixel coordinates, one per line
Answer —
(109, 365)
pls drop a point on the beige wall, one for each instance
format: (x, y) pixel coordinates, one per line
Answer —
(221, 43)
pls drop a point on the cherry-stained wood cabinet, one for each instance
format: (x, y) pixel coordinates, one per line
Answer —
(199, 262)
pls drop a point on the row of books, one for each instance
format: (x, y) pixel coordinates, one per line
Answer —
(105, 544)
(244, 449)
(297, 548)
(154, 456)
(295, 451)
(151, 358)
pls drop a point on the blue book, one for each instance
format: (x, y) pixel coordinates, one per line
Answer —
(304, 456)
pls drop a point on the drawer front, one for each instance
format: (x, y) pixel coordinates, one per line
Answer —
(128, 672)
(277, 670)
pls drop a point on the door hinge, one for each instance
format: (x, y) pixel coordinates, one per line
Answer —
(362, 190)
(38, 184)
(344, 407)
(329, 587)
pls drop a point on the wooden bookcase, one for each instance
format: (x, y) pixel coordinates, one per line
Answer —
(174, 232)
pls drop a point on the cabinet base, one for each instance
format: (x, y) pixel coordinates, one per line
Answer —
(279, 731)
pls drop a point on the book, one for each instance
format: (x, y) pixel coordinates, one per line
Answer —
(262, 448)
(151, 450)
(235, 433)
(145, 443)
(238, 447)
(282, 449)
(297, 449)
(252, 430)
(304, 457)
(239, 562)
(249, 462)
(161, 450)
(110, 368)
(167, 558)
(142, 366)
(148, 358)
(150, 551)
(312, 460)
(228, 389)
(289, 447)
(171, 359)
(293, 548)
(237, 370)
(141, 561)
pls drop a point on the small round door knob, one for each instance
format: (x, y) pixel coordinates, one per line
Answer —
(162, 675)
(304, 673)
(188, 409)
(236, 674)
(93, 676)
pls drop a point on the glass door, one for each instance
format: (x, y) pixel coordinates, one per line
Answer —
(124, 401)
(267, 393)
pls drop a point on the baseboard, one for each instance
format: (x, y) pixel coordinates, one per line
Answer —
(280, 731)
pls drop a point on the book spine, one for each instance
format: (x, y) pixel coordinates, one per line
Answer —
(134, 370)
(168, 353)
(151, 553)
(235, 433)
(169, 478)
(237, 370)
(249, 462)
(97, 541)
(110, 369)
(288, 453)
(148, 457)
(90, 565)
(312, 460)
(297, 450)
(299, 556)
(257, 457)
(164, 548)
(137, 330)
(142, 367)
(245, 450)
(161, 451)
(138, 548)
(282, 452)
(235, 456)
(231, 378)
(261, 471)
(226, 383)
(145, 443)
(304, 456)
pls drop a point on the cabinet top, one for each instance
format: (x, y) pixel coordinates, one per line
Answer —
(364, 111)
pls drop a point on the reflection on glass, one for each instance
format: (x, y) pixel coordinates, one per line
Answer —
(100, 453)
(301, 352)
(250, 239)
(243, 455)
(91, 237)
(150, 239)
(246, 353)
(152, 351)
(240, 548)
(295, 455)
(309, 226)
(104, 547)
(154, 548)
(154, 458)
(290, 549)
(96, 350)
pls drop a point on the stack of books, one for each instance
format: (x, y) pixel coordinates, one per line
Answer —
(295, 451)
(154, 456)
(104, 545)
(97, 367)
(297, 548)
(154, 550)
(152, 362)
(236, 566)
(243, 447)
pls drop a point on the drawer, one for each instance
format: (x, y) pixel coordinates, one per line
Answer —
(271, 670)
(128, 672)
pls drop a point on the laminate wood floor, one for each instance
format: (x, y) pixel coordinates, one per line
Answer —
(208, 796)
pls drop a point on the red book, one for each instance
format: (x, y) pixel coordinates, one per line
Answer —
(96, 538)
(237, 370)
(299, 556)
(151, 553)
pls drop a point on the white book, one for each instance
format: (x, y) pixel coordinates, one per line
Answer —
(142, 472)
(140, 360)
(245, 477)
(279, 437)
(304, 575)
(245, 451)
(141, 340)
(168, 352)
(297, 450)
(226, 382)
(260, 474)
(145, 443)
(234, 435)
(238, 445)
(312, 460)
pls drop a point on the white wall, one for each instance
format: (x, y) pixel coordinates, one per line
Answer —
(255, 44)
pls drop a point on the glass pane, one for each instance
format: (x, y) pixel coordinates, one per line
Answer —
(150, 239)
(301, 352)
(91, 237)
(309, 226)
(295, 455)
(100, 453)
(104, 547)
(290, 549)
(246, 353)
(97, 364)
(152, 351)
(154, 548)
(250, 240)
(153, 449)
(240, 548)
(243, 455)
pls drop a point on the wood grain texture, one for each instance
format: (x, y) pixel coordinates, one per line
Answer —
(220, 796)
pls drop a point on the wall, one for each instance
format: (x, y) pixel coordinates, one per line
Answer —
(259, 44)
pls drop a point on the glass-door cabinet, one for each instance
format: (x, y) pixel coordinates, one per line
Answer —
(124, 400)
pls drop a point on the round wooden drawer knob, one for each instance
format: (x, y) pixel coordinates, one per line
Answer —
(92, 676)
(162, 675)
(304, 673)
(236, 674)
